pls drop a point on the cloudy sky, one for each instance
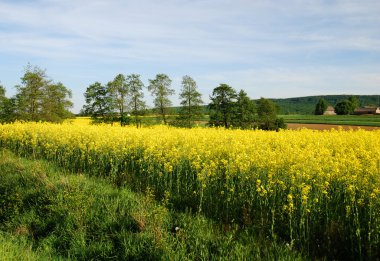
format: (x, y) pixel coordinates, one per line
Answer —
(269, 48)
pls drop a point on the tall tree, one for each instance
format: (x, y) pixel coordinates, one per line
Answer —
(354, 102)
(8, 110)
(56, 103)
(267, 114)
(222, 105)
(160, 89)
(39, 98)
(7, 107)
(98, 102)
(118, 89)
(244, 111)
(2, 91)
(2, 97)
(31, 92)
(5, 114)
(320, 107)
(136, 103)
(191, 99)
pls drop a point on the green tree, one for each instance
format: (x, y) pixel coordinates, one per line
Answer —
(7, 107)
(8, 110)
(118, 90)
(320, 107)
(136, 103)
(354, 101)
(2, 91)
(2, 98)
(267, 115)
(39, 98)
(191, 100)
(343, 108)
(56, 103)
(31, 93)
(244, 111)
(222, 105)
(98, 102)
(160, 89)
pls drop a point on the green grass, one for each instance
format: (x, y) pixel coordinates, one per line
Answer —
(47, 213)
(353, 120)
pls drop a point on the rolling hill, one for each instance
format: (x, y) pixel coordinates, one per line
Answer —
(306, 105)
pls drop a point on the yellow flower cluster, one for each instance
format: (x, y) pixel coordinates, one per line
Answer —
(296, 175)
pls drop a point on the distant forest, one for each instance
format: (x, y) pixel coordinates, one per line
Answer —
(306, 105)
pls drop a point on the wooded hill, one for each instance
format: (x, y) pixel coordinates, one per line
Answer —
(306, 105)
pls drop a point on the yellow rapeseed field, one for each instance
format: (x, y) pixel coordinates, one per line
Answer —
(304, 186)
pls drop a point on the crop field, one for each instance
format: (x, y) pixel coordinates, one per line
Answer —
(353, 120)
(317, 191)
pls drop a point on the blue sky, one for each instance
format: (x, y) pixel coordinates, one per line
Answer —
(269, 48)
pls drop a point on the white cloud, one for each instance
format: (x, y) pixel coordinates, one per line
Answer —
(229, 29)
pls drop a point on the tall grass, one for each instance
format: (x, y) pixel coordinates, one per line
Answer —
(47, 214)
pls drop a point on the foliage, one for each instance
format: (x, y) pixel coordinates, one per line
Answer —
(40, 99)
(191, 99)
(7, 107)
(244, 112)
(98, 103)
(2, 94)
(136, 103)
(30, 93)
(320, 107)
(354, 101)
(345, 107)
(160, 89)
(267, 115)
(55, 103)
(222, 105)
(318, 191)
(8, 110)
(118, 90)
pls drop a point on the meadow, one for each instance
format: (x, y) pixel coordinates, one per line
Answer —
(353, 120)
(317, 192)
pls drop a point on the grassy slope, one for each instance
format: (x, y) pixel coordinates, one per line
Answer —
(306, 105)
(47, 214)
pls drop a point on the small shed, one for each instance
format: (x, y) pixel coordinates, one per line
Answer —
(329, 111)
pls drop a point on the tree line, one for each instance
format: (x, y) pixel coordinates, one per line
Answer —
(121, 99)
(39, 98)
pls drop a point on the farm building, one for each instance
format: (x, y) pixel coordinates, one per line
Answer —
(329, 111)
(367, 110)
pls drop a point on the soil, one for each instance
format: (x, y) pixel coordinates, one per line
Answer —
(295, 126)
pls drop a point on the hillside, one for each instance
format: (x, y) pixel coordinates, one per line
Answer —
(306, 105)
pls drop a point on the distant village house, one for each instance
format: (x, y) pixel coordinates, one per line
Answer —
(329, 111)
(367, 110)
